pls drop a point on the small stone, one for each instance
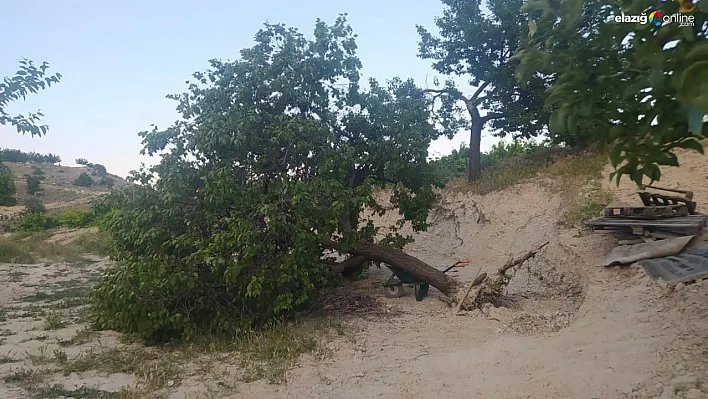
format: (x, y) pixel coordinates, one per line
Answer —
(170, 383)
(684, 383)
(680, 286)
(694, 393)
(661, 283)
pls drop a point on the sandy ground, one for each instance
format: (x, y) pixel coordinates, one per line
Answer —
(569, 329)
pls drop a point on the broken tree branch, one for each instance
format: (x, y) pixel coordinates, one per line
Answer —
(489, 290)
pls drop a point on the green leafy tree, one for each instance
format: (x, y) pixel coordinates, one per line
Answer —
(480, 45)
(33, 184)
(641, 88)
(84, 180)
(7, 186)
(269, 170)
(28, 79)
(82, 161)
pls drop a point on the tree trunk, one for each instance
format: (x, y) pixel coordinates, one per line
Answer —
(414, 266)
(350, 266)
(474, 166)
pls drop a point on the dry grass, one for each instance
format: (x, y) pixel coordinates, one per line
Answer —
(270, 353)
(30, 248)
(564, 167)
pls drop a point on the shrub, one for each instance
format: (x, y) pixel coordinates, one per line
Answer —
(34, 205)
(83, 180)
(33, 184)
(7, 187)
(75, 218)
(37, 222)
(82, 161)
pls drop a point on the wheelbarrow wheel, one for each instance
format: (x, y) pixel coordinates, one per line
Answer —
(394, 291)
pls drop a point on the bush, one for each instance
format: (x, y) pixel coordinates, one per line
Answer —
(10, 155)
(7, 187)
(82, 161)
(38, 222)
(83, 180)
(34, 205)
(33, 184)
(75, 219)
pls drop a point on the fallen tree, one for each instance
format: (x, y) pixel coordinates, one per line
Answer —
(275, 158)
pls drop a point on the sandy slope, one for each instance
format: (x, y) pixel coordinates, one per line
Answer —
(581, 332)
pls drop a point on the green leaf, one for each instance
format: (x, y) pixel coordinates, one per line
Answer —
(691, 144)
(616, 155)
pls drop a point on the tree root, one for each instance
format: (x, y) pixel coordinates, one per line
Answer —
(485, 290)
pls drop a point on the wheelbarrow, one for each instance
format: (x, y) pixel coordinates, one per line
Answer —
(393, 287)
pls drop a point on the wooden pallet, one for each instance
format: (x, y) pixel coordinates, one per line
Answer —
(646, 212)
(682, 225)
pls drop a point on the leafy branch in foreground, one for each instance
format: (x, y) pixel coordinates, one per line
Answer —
(28, 79)
(641, 88)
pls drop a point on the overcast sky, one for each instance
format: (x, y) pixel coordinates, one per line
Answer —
(119, 59)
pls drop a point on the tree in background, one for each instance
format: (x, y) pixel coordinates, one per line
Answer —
(480, 45)
(28, 79)
(12, 155)
(82, 161)
(33, 184)
(7, 186)
(641, 88)
(84, 180)
(266, 177)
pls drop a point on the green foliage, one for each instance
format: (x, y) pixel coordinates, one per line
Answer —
(34, 205)
(7, 186)
(276, 155)
(82, 161)
(33, 184)
(12, 155)
(479, 45)
(74, 218)
(37, 222)
(84, 180)
(640, 88)
(28, 79)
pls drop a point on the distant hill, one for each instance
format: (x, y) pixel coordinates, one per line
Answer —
(58, 189)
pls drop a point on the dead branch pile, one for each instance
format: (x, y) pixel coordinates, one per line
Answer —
(353, 304)
(485, 289)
